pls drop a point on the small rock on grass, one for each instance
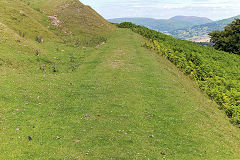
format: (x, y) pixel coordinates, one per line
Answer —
(149, 116)
(151, 136)
(29, 138)
(76, 140)
(162, 153)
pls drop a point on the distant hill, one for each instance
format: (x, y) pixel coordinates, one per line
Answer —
(165, 25)
(200, 32)
(192, 19)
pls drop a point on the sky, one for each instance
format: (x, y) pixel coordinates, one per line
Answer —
(164, 9)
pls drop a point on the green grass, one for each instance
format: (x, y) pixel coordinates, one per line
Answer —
(79, 20)
(116, 101)
(86, 28)
(21, 23)
(25, 21)
(108, 107)
(216, 72)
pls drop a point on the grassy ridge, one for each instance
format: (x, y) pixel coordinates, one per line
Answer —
(21, 23)
(217, 73)
(77, 24)
(122, 102)
(77, 21)
(118, 100)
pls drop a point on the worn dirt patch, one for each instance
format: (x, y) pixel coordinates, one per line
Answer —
(116, 60)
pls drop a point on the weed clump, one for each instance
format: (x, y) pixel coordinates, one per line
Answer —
(39, 39)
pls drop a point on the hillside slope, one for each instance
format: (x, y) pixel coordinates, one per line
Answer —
(23, 20)
(200, 32)
(164, 25)
(74, 17)
(111, 100)
(23, 26)
(68, 20)
(123, 102)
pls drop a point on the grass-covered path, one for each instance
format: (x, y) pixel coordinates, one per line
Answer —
(124, 102)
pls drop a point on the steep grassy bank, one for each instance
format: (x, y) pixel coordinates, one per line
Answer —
(75, 21)
(121, 102)
(29, 36)
(67, 21)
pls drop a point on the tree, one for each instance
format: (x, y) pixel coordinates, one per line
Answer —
(229, 39)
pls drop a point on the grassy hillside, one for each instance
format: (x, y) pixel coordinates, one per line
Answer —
(200, 32)
(111, 100)
(23, 27)
(164, 25)
(122, 102)
(216, 72)
(23, 20)
(75, 18)
(69, 20)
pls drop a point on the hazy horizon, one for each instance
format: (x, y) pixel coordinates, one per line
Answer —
(156, 18)
(165, 9)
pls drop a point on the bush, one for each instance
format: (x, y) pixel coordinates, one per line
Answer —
(229, 39)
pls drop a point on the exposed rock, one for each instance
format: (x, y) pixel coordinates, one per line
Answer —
(54, 20)
(151, 136)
